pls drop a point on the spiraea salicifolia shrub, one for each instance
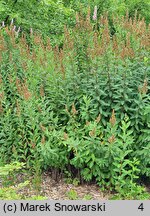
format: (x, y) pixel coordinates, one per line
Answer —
(82, 108)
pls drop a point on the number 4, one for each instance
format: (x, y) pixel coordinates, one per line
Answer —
(141, 207)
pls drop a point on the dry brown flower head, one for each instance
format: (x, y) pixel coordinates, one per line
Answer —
(98, 118)
(73, 110)
(65, 136)
(87, 123)
(113, 118)
(92, 132)
(111, 139)
(43, 139)
(144, 88)
(42, 91)
(42, 127)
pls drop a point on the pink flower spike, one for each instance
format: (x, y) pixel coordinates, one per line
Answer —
(12, 21)
(95, 13)
(3, 24)
(14, 28)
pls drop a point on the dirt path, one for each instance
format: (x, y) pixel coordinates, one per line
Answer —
(64, 191)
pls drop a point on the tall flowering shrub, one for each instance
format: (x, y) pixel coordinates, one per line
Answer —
(82, 107)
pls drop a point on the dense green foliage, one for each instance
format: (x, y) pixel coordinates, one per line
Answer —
(74, 92)
(49, 16)
(41, 17)
(114, 6)
(10, 188)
